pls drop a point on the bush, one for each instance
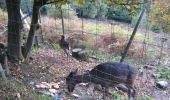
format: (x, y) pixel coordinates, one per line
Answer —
(56, 46)
(156, 29)
(119, 14)
(68, 12)
(26, 5)
(88, 10)
(92, 9)
(144, 22)
(2, 4)
(102, 12)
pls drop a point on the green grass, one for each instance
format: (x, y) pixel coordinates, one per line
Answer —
(117, 96)
(12, 88)
(34, 48)
(146, 98)
(165, 74)
(56, 46)
(119, 31)
(99, 29)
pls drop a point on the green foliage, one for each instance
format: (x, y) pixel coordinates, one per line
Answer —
(43, 10)
(2, 4)
(165, 74)
(92, 9)
(146, 98)
(116, 96)
(156, 28)
(120, 14)
(56, 46)
(102, 11)
(35, 48)
(160, 15)
(14, 88)
(54, 11)
(88, 10)
(26, 5)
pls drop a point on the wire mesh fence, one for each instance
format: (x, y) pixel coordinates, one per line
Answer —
(147, 47)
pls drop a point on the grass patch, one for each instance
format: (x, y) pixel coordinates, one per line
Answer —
(56, 46)
(164, 73)
(35, 48)
(116, 96)
(12, 90)
(92, 27)
(146, 98)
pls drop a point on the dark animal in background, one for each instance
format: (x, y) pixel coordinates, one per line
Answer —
(64, 44)
(4, 58)
(106, 74)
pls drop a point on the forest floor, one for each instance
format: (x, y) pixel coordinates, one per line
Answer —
(52, 66)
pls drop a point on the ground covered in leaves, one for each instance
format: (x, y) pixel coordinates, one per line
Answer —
(47, 71)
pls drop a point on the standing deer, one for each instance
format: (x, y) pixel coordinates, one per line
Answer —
(64, 44)
(4, 58)
(106, 74)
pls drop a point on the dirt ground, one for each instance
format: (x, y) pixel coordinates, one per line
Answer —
(50, 65)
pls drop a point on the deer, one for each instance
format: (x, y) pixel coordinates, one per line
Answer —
(4, 58)
(64, 44)
(107, 75)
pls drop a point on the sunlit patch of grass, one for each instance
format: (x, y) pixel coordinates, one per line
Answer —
(92, 27)
(164, 74)
(35, 48)
(56, 46)
(145, 98)
(117, 96)
(18, 91)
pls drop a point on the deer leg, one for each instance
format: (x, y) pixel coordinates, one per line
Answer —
(105, 92)
(65, 51)
(6, 65)
(134, 93)
(131, 93)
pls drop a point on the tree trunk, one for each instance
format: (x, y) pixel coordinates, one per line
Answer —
(34, 22)
(62, 19)
(132, 36)
(14, 30)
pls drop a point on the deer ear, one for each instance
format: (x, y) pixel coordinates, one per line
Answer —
(73, 73)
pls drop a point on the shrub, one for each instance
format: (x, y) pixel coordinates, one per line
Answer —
(92, 9)
(117, 96)
(56, 46)
(2, 4)
(165, 74)
(68, 12)
(102, 11)
(119, 14)
(156, 29)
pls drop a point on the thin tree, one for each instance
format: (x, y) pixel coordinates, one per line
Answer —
(132, 36)
(34, 22)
